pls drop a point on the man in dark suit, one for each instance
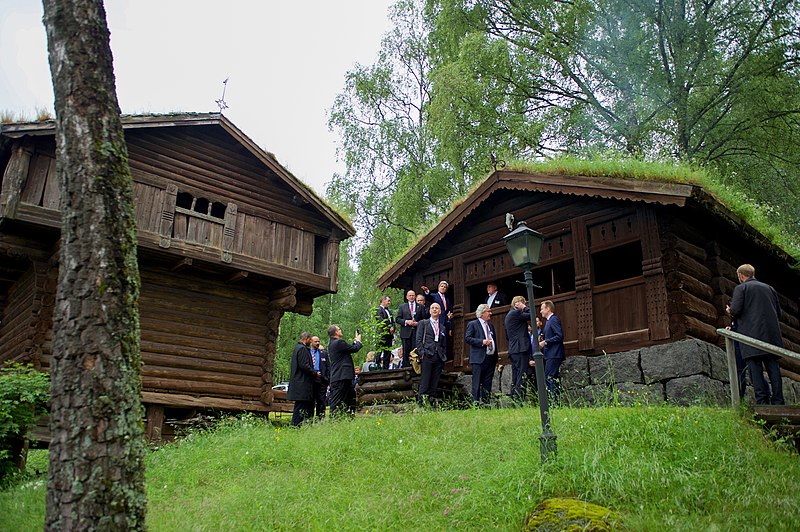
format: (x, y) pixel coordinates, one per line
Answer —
(495, 298)
(517, 322)
(408, 316)
(757, 311)
(444, 301)
(385, 325)
(301, 381)
(321, 381)
(552, 345)
(482, 342)
(340, 356)
(431, 343)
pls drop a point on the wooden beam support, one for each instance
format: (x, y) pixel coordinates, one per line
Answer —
(181, 264)
(236, 277)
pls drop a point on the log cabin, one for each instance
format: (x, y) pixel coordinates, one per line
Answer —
(629, 263)
(228, 241)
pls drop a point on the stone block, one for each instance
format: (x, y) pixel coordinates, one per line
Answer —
(678, 359)
(789, 393)
(617, 367)
(574, 372)
(719, 363)
(696, 389)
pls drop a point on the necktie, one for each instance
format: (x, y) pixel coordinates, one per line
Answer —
(444, 302)
(412, 310)
(490, 347)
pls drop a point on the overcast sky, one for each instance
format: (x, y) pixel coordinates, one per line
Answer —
(285, 60)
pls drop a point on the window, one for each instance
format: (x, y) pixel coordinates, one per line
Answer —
(618, 263)
(203, 206)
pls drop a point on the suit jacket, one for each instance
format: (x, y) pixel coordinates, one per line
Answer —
(499, 300)
(475, 337)
(554, 336)
(301, 376)
(516, 323)
(436, 297)
(757, 312)
(324, 367)
(427, 346)
(340, 356)
(385, 323)
(403, 314)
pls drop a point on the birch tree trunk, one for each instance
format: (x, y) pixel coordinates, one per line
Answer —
(96, 475)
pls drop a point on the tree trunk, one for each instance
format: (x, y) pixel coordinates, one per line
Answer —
(96, 475)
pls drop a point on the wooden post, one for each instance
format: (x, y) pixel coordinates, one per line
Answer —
(733, 372)
(155, 422)
(167, 215)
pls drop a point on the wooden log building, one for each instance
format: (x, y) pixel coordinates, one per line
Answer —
(229, 241)
(628, 263)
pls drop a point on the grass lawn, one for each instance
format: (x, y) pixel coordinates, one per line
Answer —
(659, 468)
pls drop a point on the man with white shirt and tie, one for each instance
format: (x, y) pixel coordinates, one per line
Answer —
(408, 316)
(482, 342)
(385, 328)
(431, 343)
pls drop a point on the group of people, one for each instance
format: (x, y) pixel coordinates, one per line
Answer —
(425, 324)
(318, 376)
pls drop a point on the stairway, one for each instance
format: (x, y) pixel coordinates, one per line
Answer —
(784, 420)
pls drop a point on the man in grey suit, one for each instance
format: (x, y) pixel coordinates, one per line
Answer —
(482, 342)
(517, 322)
(431, 341)
(757, 312)
(408, 316)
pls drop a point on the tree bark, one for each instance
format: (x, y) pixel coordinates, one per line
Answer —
(96, 475)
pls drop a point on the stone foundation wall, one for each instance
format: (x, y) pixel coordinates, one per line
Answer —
(685, 372)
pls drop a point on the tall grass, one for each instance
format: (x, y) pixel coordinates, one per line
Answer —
(659, 467)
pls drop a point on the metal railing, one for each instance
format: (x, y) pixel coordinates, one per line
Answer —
(730, 350)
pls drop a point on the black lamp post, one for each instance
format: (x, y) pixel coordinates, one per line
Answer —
(525, 247)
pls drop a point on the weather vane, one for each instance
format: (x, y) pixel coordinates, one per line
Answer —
(221, 102)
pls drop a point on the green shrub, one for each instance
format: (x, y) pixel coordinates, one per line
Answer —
(24, 393)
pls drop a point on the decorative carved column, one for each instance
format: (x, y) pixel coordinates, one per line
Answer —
(653, 272)
(14, 178)
(229, 233)
(167, 215)
(583, 285)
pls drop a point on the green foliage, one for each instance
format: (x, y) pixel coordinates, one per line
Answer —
(24, 393)
(657, 468)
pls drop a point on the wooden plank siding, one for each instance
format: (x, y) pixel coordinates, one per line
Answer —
(284, 237)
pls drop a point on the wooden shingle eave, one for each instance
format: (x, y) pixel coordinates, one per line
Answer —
(659, 192)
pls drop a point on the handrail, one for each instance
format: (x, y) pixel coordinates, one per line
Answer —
(730, 350)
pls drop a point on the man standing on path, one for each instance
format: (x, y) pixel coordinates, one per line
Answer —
(757, 312)
(321, 381)
(517, 323)
(482, 342)
(383, 316)
(552, 345)
(301, 381)
(408, 316)
(343, 374)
